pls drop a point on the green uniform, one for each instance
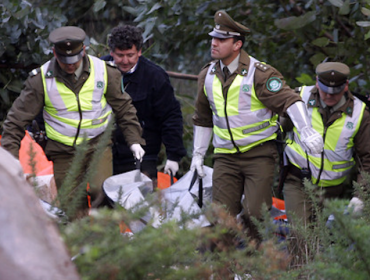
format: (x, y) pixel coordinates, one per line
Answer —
(31, 101)
(248, 169)
(341, 136)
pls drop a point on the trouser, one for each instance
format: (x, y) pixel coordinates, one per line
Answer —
(62, 162)
(298, 205)
(148, 167)
(250, 174)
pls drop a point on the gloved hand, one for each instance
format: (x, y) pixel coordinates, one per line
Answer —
(312, 140)
(356, 204)
(197, 164)
(202, 137)
(172, 166)
(137, 151)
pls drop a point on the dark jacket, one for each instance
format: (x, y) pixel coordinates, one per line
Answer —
(158, 111)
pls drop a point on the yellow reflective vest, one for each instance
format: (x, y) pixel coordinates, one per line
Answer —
(70, 117)
(332, 166)
(240, 121)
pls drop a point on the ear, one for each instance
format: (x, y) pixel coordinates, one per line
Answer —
(346, 87)
(55, 54)
(237, 45)
(84, 51)
(317, 84)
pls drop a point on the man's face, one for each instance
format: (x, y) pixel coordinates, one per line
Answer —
(331, 99)
(224, 49)
(69, 68)
(126, 59)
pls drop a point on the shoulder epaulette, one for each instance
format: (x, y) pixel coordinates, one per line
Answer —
(208, 64)
(34, 72)
(111, 64)
(261, 66)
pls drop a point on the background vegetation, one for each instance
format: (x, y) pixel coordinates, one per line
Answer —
(293, 36)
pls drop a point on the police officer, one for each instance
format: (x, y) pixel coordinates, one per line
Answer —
(238, 101)
(77, 93)
(344, 124)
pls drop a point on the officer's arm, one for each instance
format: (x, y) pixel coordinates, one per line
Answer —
(24, 109)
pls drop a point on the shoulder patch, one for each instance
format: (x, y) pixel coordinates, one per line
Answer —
(274, 84)
(111, 63)
(34, 72)
(261, 66)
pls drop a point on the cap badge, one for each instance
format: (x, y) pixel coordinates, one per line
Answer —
(274, 84)
(68, 43)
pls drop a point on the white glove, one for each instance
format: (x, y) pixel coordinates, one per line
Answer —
(202, 136)
(197, 164)
(172, 166)
(356, 204)
(312, 140)
(137, 151)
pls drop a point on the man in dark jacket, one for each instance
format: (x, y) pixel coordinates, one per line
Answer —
(153, 96)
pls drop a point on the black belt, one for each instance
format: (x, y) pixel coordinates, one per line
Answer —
(301, 174)
(294, 170)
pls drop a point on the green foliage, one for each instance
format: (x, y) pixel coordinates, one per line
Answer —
(317, 250)
(24, 29)
(170, 251)
(347, 253)
(163, 253)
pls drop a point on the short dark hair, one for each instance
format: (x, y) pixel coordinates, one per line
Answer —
(123, 37)
(241, 38)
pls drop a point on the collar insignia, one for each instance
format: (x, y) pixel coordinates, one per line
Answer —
(312, 102)
(244, 72)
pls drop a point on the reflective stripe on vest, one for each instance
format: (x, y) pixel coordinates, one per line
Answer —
(338, 147)
(65, 111)
(246, 118)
